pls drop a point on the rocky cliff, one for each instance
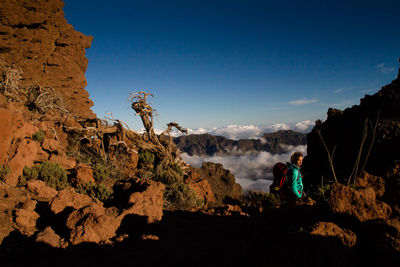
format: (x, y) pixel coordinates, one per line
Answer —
(37, 41)
(206, 144)
(369, 131)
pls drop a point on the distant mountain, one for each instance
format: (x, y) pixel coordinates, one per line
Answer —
(206, 144)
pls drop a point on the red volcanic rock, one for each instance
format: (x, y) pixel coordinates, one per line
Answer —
(347, 237)
(37, 39)
(92, 224)
(69, 198)
(50, 145)
(6, 131)
(25, 217)
(49, 237)
(368, 180)
(361, 203)
(41, 189)
(222, 182)
(84, 173)
(201, 186)
(63, 161)
(147, 203)
(25, 156)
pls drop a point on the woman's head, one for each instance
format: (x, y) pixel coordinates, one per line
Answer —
(297, 158)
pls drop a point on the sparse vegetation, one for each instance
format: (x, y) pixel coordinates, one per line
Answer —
(99, 191)
(146, 158)
(49, 172)
(169, 176)
(101, 173)
(255, 199)
(4, 170)
(179, 196)
(38, 136)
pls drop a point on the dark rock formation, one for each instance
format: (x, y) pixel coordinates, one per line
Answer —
(206, 144)
(36, 39)
(344, 129)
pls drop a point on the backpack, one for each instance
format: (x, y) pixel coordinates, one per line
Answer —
(278, 185)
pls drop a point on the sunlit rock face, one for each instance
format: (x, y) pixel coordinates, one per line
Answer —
(37, 40)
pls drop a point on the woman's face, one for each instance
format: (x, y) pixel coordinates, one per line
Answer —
(299, 161)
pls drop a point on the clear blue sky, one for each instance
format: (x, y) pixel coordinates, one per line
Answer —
(214, 63)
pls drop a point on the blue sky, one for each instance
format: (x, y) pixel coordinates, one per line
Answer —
(216, 63)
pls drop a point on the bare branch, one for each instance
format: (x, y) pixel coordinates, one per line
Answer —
(330, 155)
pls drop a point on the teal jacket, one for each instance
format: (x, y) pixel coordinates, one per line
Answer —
(294, 180)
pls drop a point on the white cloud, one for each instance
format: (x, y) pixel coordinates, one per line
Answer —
(339, 90)
(304, 126)
(302, 102)
(236, 132)
(368, 91)
(253, 171)
(384, 69)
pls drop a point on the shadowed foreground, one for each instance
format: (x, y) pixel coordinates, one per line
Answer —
(196, 239)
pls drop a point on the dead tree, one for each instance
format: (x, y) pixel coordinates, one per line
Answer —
(164, 148)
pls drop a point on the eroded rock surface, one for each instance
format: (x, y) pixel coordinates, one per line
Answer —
(362, 203)
(37, 39)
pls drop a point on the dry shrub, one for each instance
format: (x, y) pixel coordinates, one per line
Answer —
(9, 83)
(44, 99)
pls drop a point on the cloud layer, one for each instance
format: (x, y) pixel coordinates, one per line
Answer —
(253, 171)
(302, 102)
(236, 132)
(384, 69)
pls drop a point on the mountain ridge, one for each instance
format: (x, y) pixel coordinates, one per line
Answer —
(207, 144)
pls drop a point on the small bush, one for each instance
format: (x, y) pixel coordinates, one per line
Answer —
(169, 176)
(49, 172)
(260, 200)
(99, 191)
(177, 168)
(319, 193)
(179, 196)
(146, 158)
(101, 173)
(4, 170)
(38, 136)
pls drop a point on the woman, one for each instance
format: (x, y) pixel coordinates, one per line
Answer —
(294, 178)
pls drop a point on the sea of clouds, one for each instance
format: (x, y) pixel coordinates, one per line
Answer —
(253, 170)
(236, 132)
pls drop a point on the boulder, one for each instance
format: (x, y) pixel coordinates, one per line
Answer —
(148, 202)
(92, 224)
(361, 204)
(84, 173)
(41, 189)
(25, 217)
(25, 156)
(69, 198)
(49, 237)
(368, 180)
(50, 145)
(325, 229)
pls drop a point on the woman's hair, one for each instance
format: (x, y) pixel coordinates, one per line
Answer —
(295, 157)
